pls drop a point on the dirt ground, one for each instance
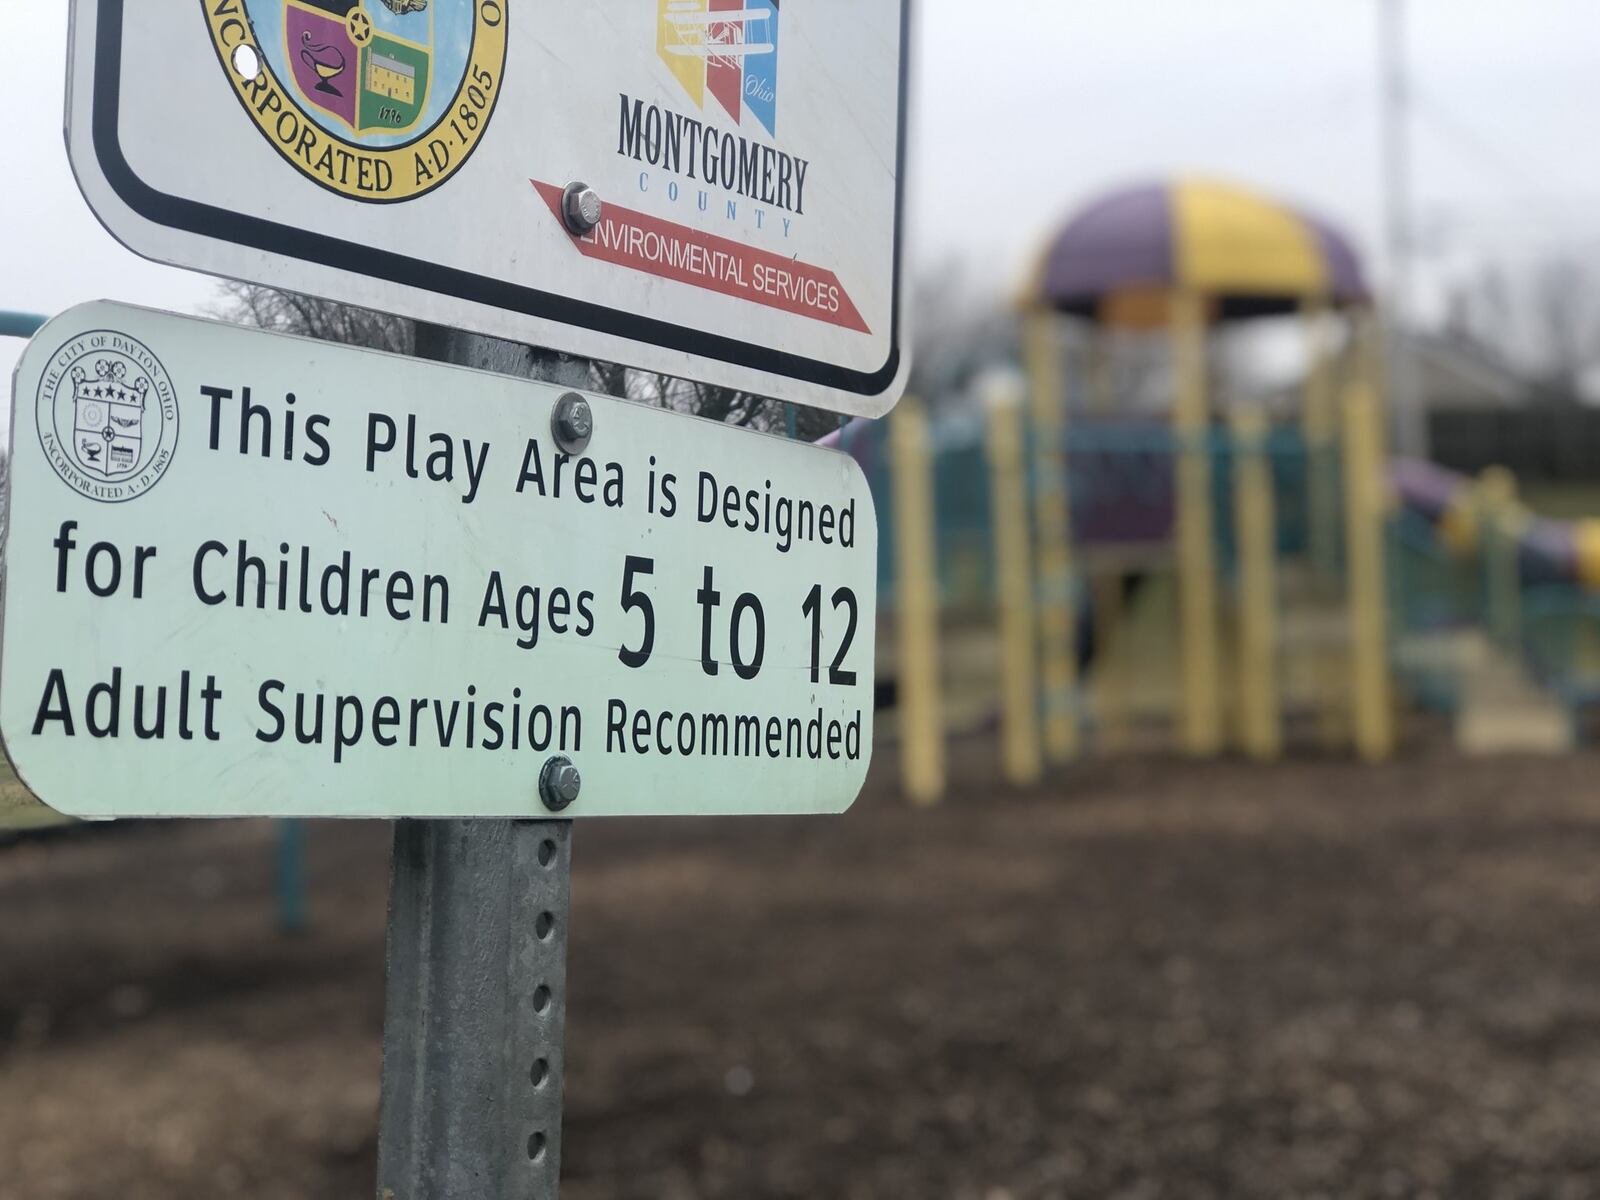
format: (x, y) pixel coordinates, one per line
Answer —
(1149, 980)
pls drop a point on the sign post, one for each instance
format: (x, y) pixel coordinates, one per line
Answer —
(475, 1003)
(475, 1010)
(256, 575)
(250, 575)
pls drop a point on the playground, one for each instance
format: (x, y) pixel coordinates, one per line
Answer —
(1308, 978)
(1155, 446)
(1108, 538)
(1229, 831)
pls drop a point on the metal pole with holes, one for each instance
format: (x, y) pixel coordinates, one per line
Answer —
(475, 1010)
(476, 994)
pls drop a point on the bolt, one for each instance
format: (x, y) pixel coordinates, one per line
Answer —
(572, 423)
(580, 208)
(559, 782)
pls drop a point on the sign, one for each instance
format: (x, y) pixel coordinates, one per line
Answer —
(249, 574)
(424, 157)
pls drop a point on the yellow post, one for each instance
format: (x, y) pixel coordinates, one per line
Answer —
(1499, 531)
(1255, 534)
(917, 603)
(1369, 351)
(1052, 516)
(1319, 426)
(1019, 718)
(1201, 721)
(1365, 492)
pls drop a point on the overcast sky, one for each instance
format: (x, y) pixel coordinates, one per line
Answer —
(1025, 108)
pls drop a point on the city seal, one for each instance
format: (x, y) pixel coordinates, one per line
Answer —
(107, 415)
(376, 100)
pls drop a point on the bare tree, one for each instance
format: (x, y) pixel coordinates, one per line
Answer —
(1544, 316)
(1562, 306)
(290, 312)
(960, 328)
(1481, 307)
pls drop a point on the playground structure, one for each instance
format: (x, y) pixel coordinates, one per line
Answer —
(1212, 570)
(1497, 610)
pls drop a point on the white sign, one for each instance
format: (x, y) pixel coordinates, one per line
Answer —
(415, 156)
(254, 574)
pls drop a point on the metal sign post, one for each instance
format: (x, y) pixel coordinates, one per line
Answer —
(476, 999)
(356, 585)
(334, 582)
(475, 1011)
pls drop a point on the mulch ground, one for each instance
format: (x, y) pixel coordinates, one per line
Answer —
(1149, 979)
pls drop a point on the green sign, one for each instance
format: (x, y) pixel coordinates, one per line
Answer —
(257, 575)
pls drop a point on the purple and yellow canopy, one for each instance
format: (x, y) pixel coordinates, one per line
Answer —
(1121, 259)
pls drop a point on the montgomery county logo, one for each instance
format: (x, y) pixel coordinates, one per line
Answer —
(728, 48)
(107, 415)
(378, 100)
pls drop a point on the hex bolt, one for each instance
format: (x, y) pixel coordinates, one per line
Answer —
(580, 208)
(559, 782)
(572, 423)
